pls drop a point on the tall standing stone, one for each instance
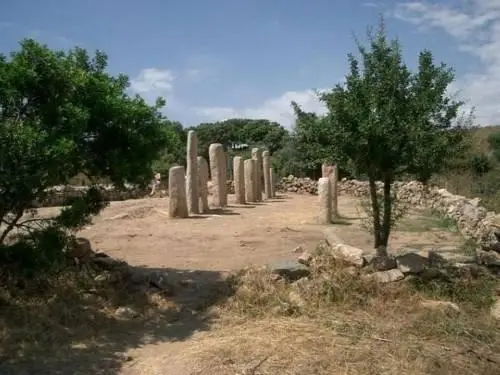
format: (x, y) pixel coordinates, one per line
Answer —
(271, 176)
(325, 200)
(250, 184)
(331, 172)
(177, 205)
(266, 171)
(239, 179)
(193, 198)
(257, 156)
(218, 173)
(203, 181)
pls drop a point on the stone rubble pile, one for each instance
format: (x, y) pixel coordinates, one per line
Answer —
(292, 184)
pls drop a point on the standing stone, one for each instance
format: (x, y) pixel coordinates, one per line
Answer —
(325, 200)
(331, 172)
(271, 183)
(203, 181)
(257, 156)
(334, 180)
(239, 179)
(250, 185)
(218, 173)
(193, 199)
(177, 206)
(267, 174)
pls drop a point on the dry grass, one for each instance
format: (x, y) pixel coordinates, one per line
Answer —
(336, 323)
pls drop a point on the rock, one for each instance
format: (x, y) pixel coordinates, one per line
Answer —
(387, 276)
(80, 248)
(412, 263)
(488, 258)
(495, 247)
(433, 304)
(331, 237)
(103, 277)
(437, 257)
(495, 309)
(126, 313)
(305, 258)
(106, 262)
(349, 254)
(380, 262)
(291, 270)
(299, 249)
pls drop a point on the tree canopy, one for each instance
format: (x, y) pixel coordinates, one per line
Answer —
(386, 121)
(62, 114)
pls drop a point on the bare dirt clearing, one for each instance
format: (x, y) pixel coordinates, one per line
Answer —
(82, 337)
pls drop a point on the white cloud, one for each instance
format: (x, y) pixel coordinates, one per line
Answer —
(277, 109)
(193, 74)
(476, 26)
(153, 81)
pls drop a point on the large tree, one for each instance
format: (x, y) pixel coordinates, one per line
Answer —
(386, 121)
(62, 114)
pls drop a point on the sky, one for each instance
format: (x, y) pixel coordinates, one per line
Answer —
(219, 59)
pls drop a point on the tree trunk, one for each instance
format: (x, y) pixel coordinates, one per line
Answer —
(386, 223)
(375, 212)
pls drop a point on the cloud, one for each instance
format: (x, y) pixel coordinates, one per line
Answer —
(193, 74)
(277, 109)
(151, 83)
(370, 4)
(476, 26)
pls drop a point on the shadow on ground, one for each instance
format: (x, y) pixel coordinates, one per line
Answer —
(71, 325)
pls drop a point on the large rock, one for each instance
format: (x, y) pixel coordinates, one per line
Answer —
(387, 276)
(291, 270)
(488, 258)
(348, 254)
(380, 262)
(412, 263)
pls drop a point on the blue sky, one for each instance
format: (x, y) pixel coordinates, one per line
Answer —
(218, 59)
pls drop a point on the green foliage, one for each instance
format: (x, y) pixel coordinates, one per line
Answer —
(255, 133)
(62, 114)
(480, 164)
(386, 121)
(494, 143)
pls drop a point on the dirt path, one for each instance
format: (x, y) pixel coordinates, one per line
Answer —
(205, 246)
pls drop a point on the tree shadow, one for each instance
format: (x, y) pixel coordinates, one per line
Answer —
(82, 324)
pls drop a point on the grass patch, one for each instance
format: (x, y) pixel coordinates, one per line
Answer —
(427, 220)
(468, 247)
(338, 322)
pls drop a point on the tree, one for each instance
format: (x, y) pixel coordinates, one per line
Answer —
(386, 121)
(62, 114)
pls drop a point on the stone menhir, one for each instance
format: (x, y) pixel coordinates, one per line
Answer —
(266, 171)
(273, 181)
(218, 174)
(257, 156)
(325, 200)
(331, 171)
(192, 184)
(203, 181)
(250, 184)
(177, 205)
(239, 180)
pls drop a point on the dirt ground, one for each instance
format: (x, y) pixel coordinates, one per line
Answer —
(140, 232)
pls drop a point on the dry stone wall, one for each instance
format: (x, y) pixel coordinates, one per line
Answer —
(473, 220)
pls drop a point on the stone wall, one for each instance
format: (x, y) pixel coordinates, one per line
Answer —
(473, 220)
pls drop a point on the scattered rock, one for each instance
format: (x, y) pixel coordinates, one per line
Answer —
(299, 249)
(488, 258)
(380, 262)
(387, 276)
(434, 304)
(305, 258)
(349, 254)
(80, 248)
(291, 270)
(437, 257)
(412, 263)
(495, 247)
(126, 313)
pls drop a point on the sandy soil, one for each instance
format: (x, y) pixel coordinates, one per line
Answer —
(140, 232)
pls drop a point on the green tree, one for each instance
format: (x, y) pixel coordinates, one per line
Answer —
(62, 114)
(386, 121)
